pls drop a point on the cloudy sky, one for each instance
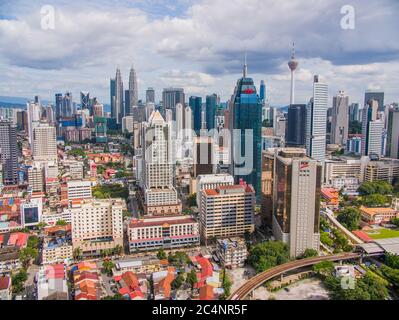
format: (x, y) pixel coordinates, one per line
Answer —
(198, 45)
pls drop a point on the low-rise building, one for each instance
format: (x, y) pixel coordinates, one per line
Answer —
(232, 252)
(331, 196)
(52, 279)
(163, 232)
(5, 288)
(57, 246)
(378, 215)
(139, 265)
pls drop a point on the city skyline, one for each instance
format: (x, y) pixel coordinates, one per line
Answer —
(173, 47)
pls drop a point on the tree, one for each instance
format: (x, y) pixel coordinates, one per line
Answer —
(395, 221)
(350, 218)
(118, 250)
(226, 285)
(192, 200)
(161, 255)
(375, 200)
(77, 254)
(266, 255)
(324, 268)
(370, 287)
(179, 259)
(61, 223)
(117, 296)
(376, 187)
(392, 260)
(18, 281)
(108, 265)
(309, 253)
(191, 278)
(177, 282)
(325, 239)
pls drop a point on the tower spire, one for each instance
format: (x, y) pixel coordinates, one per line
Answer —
(245, 69)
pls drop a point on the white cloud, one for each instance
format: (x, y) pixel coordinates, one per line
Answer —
(201, 48)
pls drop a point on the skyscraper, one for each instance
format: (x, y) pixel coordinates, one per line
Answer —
(67, 105)
(117, 97)
(150, 96)
(293, 65)
(372, 129)
(296, 198)
(8, 152)
(133, 89)
(171, 97)
(339, 123)
(295, 130)
(160, 196)
(210, 110)
(127, 109)
(262, 91)
(316, 121)
(245, 125)
(375, 95)
(44, 144)
(393, 133)
(354, 113)
(58, 105)
(84, 100)
(195, 104)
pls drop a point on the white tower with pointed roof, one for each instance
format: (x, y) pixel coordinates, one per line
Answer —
(159, 192)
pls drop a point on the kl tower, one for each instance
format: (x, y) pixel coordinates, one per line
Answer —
(293, 65)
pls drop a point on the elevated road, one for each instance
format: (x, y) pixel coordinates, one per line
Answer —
(261, 278)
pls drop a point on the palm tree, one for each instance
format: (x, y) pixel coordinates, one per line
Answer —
(77, 254)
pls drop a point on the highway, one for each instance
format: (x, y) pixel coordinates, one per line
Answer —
(261, 278)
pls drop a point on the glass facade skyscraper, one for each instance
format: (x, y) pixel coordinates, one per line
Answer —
(246, 123)
(211, 105)
(195, 104)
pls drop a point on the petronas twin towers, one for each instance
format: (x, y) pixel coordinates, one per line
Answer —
(122, 104)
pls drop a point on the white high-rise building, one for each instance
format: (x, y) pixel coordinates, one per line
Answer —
(44, 143)
(316, 121)
(133, 90)
(33, 113)
(160, 195)
(372, 130)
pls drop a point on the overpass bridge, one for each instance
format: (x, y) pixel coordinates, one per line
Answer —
(261, 278)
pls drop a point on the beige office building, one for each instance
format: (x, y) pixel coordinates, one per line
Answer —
(44, 143)
(296, 200)
(227, 211)
(97, 225)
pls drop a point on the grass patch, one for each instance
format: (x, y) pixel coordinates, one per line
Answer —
(384, 233)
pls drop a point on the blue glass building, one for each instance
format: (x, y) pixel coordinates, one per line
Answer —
(195, 104)
(211, 105)
(246, 113)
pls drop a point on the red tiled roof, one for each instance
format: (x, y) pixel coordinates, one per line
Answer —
(4, 283)
(130, 279)
(18, 239)
(362, 236)
(206, 293)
